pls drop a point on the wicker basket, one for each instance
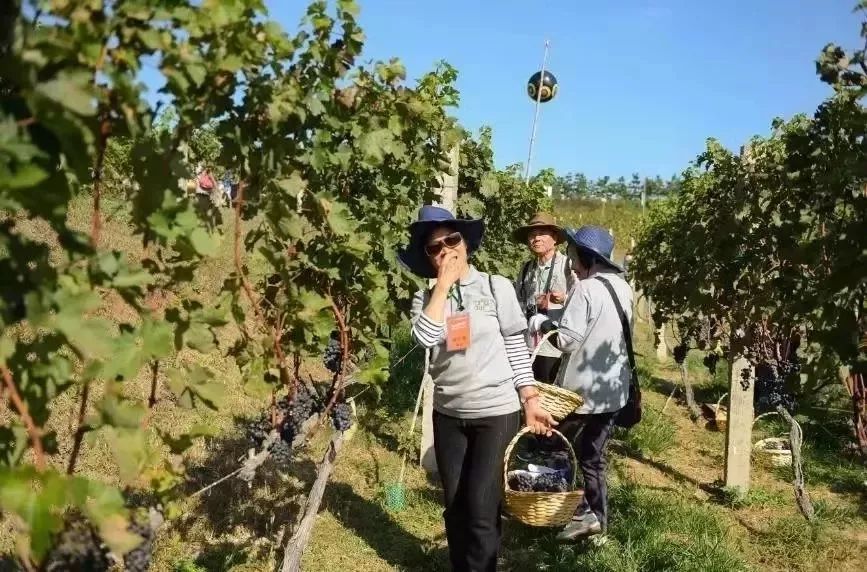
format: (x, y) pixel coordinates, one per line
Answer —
(541, 509)
(555, 400)
(777, 450)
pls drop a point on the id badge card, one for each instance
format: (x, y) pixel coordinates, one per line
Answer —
(458, 332)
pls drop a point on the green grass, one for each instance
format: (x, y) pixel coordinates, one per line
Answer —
(756, 497)
(655, 435)
(649, 530)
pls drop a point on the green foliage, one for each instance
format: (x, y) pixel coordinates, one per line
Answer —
(622, 217)
(763, 251)
(502, 198)
(333, 158)
(578, 186)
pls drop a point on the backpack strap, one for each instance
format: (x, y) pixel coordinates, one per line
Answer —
(524, 270)
(550, 274)
(627, 334)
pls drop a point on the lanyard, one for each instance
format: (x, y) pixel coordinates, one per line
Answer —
(550, 275)
(455, 294)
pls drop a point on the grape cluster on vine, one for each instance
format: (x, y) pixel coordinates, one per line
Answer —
(77, 547)
(710, 361)
(291, 415)
(680, 352)
(746, 374)
(771, 386)
(139, 558)
(333, 356)
(341, 416)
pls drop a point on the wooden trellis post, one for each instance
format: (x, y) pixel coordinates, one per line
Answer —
(661, 347)
(739, 431)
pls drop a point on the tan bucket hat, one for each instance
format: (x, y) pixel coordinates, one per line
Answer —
(540, 220)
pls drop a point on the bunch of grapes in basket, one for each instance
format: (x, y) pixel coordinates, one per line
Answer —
(542, 466)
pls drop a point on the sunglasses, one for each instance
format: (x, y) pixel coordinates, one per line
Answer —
(449, 241)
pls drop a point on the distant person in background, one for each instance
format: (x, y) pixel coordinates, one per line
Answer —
(480, 367)
(229, 188)
(542, 286)
(598, 365)
(205, 185)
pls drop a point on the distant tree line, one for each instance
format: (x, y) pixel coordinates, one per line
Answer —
(577, 185)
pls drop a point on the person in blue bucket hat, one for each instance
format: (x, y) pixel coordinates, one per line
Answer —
(595, 336)
(474, 327)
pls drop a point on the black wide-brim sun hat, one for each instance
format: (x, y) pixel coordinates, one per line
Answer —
(414, 258)
(595, 240)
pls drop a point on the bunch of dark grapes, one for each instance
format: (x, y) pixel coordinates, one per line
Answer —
(77, 547)
(521, 482)
(139, 558)
(281, 452)
(710, 362)
(341, 416)
(771, 390)
(545, 483)
(745, 378)
(679, 353)
(258, 429)
(296, 412)
(291, 416)
(550, 483)
(333, 358)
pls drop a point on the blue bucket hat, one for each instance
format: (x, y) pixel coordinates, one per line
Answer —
(595, 240)
(414, 258)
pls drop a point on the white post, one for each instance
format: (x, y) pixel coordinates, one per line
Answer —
(643, 196)
(739, 431)
(661, 347)
(536, 114)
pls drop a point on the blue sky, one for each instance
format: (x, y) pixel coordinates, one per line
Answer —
(643, 83)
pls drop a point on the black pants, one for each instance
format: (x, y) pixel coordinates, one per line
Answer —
(589, 435)
(545, 368)
(469, 455)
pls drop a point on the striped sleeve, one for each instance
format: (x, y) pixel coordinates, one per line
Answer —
(427, 332)
(519, 359)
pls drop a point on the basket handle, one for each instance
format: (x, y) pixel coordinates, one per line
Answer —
(514, 442)
(539, 345)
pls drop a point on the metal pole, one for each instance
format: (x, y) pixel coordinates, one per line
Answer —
(536, 115)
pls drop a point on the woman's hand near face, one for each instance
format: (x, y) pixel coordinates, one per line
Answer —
(449, 270)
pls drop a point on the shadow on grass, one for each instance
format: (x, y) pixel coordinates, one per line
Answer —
(704, 392)
(663, 468)
(370, 522)
(235, 503)
(9, 564)
(222, 557)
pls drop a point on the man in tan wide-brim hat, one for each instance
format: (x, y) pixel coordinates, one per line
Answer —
(542, 286)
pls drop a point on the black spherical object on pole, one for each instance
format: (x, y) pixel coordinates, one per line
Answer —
(544, 81)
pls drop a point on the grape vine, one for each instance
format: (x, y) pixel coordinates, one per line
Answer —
(332, 159)
(765, 243)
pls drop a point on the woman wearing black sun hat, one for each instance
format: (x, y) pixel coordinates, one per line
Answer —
(474, 327)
